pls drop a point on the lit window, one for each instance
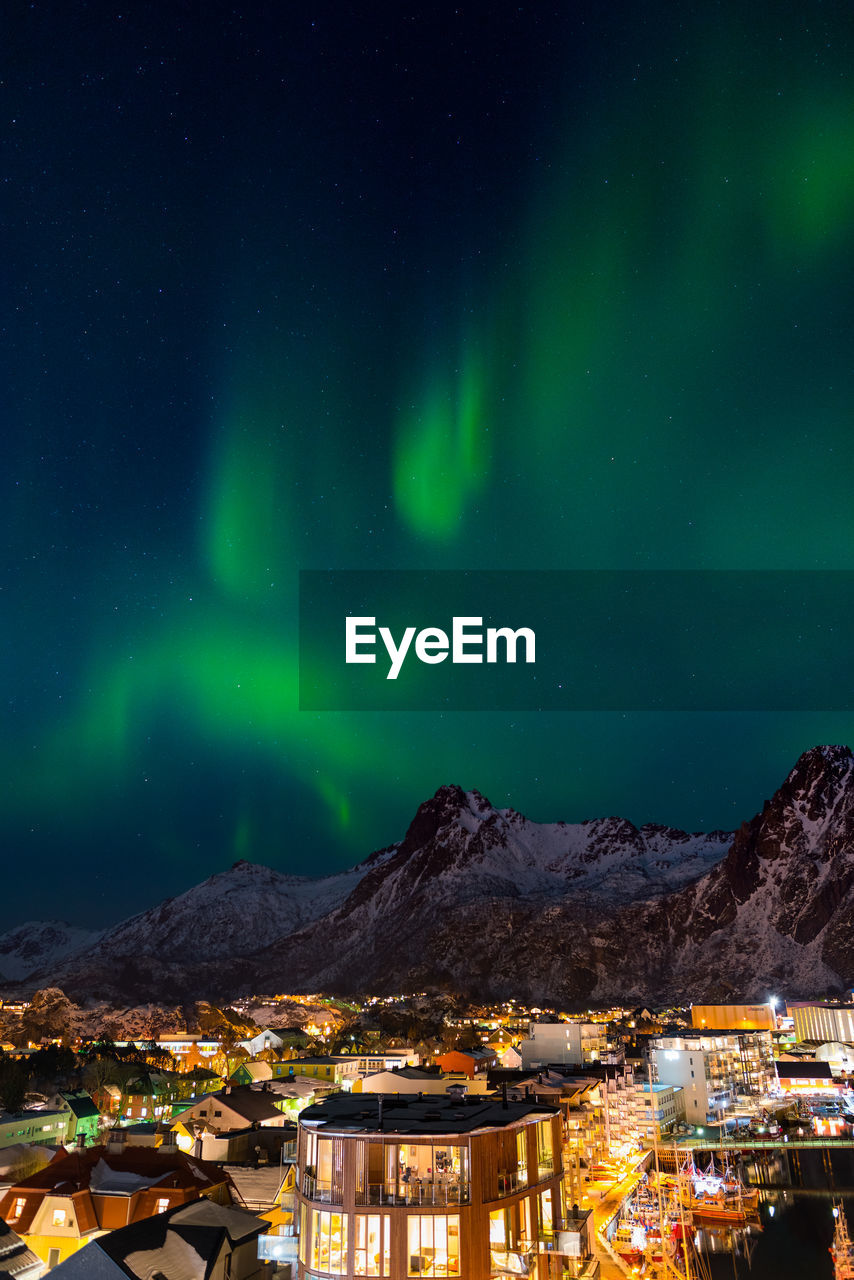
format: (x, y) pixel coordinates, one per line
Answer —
(19, 1207)
(162, 1205)
(329, 1241)
(434, 1244)
(371, 1252)
(59, 1217)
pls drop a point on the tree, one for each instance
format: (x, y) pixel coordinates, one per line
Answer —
(228, 1036)
(48, 1015)
(13, 1086)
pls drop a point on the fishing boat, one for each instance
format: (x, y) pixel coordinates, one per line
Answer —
(842, 1248)
(629, 1241)
(717, 1197)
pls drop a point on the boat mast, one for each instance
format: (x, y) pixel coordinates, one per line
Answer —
(843, 1254)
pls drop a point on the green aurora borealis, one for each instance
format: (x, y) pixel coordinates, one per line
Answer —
(402, 289)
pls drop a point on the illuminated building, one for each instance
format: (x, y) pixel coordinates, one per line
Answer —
(713, 1068)
(821, 1021)
(742, 1017)
(563, 1043)
(405, 1186)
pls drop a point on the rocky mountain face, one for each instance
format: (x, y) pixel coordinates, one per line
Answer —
(779, 910)
(197, 941)
(38, 945)
(484, 902)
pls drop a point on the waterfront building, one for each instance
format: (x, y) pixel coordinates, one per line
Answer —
(742, 1017)
(404, 1186)
(821, 1020)
(714, 1068)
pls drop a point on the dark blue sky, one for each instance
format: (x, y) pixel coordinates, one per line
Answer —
(457, 287)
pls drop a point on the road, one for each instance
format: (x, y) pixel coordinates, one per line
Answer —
(605, 1199)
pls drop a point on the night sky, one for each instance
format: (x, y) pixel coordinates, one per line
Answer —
(317, 286)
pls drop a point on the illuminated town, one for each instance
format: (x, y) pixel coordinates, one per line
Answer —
(411, 1135)
(427, 582)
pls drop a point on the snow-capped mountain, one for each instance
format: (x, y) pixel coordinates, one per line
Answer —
(483, 901)
(780, 907)
(201, 935)
(464, 900)
(39, 945)
(233, 913)
(453, 901)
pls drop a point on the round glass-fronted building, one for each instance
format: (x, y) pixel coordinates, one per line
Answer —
(410, 1186)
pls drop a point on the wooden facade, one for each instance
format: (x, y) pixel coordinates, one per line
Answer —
(434, 1196)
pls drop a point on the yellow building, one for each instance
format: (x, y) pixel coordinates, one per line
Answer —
(733, 1017)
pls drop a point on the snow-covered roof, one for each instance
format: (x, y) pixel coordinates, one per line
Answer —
(109, 1181)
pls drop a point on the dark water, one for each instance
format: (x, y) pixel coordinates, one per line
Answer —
(798, 1191)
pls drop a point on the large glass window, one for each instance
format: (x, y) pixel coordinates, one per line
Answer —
(545, 1154)
(428, 1173)
(324, 1169)
(372, 1244)
(433, 1244)
(546, 1214)
(522, 1158)
(499, 1233)
(329, 1242)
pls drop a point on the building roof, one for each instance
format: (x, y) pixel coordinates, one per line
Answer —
(90, 1263)
(15, 1258)
(293, 1086)
(12, 1158)
(476, 1055)
(80, 1104)
(256, 1070)
(327, 1060)
(183, 1244)
(407, 1113)
(88, 1171)
(405, 1073)
(250, 1104)
(259, 1189)
(804, 1070)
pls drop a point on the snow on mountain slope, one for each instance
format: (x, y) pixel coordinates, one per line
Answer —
(460, 840)
(487, 902)
(40, 945)
(467, 868)
(233, 913)
(484, 901)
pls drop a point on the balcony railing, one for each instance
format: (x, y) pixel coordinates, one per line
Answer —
(417, 1192)
(323, 1192)
(513, 1262)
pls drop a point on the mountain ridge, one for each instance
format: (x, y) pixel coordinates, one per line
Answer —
(483, 900)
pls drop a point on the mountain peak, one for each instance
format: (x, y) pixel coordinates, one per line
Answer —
(830, 762)
(441, 810)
